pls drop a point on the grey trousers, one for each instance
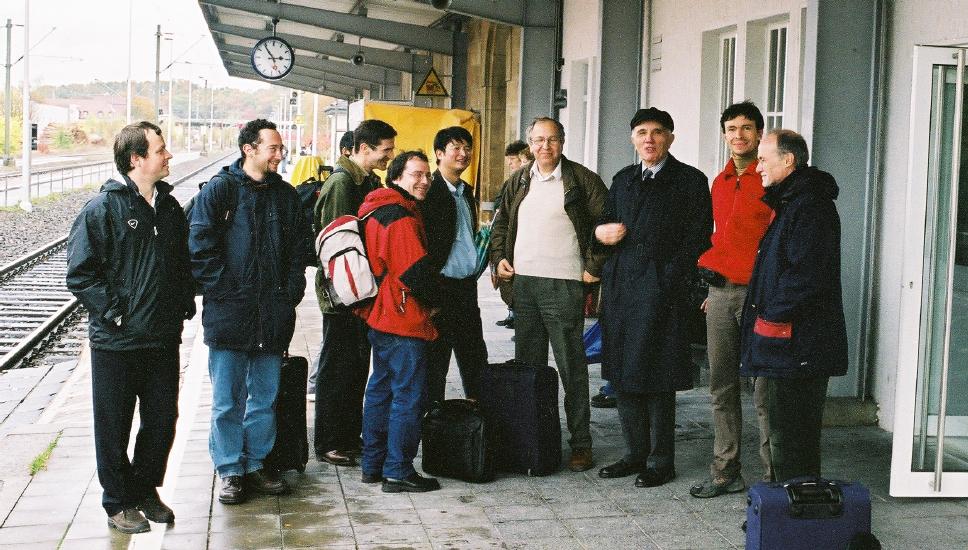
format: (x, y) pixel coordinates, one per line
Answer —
(552, 310)
(724, 308)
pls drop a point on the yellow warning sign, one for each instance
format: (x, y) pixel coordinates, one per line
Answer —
(432, 86)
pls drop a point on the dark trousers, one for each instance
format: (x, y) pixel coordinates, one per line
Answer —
(344, 362)
(550, 310)
(649, 427)
(795, 410)
(459, 325)
(118, 378)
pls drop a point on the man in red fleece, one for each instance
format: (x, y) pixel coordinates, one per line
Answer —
(400, 326)
(741, 219)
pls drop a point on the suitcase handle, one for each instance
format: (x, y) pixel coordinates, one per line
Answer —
(467, 404)
(814, 499)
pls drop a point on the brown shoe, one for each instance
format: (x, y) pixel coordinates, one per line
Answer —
(337, 458)
(581, 460)
(129, 521)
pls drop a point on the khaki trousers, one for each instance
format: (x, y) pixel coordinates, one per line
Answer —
(724, 309)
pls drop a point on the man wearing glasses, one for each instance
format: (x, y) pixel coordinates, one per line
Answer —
(249, 247)
(541, 237)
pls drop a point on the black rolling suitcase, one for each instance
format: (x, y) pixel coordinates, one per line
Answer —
(291, 449)
(520, 403)
(808, 513)
(455, 445)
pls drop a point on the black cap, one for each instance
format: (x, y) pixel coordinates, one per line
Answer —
(652, 115)
(346, 142)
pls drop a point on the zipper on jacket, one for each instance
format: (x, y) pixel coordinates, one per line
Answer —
(403, 303)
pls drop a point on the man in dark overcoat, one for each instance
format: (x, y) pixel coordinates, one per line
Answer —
(656, 222)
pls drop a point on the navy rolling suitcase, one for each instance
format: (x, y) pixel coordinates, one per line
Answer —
(454, 437)
(291, 449)
(520, 404)
(806, 514)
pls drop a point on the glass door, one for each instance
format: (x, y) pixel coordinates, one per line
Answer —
(930, 452)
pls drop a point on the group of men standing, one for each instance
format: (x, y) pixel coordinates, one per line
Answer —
(766, 241)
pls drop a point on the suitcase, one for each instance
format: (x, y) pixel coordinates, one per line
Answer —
(520, 404)
(455, 445)
(806, 514)
(291, 449)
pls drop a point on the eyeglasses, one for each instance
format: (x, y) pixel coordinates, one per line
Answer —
(551, 141)
(273, 149)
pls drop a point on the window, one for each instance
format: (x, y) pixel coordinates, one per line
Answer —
(776, 74)
(727, 76)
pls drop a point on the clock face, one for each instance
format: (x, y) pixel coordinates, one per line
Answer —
(272, 58)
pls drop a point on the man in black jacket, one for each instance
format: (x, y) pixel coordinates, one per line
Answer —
(127, 262)
(793, 329)
(450, 216)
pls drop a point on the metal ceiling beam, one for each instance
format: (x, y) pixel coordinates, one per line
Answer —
(242, 59)
(378, 57)
(404, 34)
(530, 13)
(292, 87)
(341, 68)
(314, 85)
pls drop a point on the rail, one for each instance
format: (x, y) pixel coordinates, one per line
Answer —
(34, 299)
(54, 180)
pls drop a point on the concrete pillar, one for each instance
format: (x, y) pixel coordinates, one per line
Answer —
(620, 81)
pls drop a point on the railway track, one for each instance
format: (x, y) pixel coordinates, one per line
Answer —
(35, 302)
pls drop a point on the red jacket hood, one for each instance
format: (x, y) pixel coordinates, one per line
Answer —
(385, 196)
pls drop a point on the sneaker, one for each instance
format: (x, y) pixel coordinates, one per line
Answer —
(267, 482)
(713, 487)
(129, 521)
(156, 510)
(232, 491)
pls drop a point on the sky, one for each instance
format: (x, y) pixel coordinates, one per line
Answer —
(80, 40)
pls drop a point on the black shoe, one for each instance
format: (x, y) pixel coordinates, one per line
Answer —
(504, 322)
(653, 478)
(232, 491)
(267, 482)
(602, 401)
(622, 468)
(371, 478)
(509, 323)
(156, 510)
(337, 458)
(414, 483)
(129, 521)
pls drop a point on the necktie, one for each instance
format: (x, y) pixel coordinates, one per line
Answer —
(646, 174)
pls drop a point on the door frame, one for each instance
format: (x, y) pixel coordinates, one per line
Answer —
(904, 481)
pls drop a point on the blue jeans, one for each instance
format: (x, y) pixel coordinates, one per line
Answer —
(392, 405)
(244, 389)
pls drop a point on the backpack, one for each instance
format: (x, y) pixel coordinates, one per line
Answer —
(233, 203)
(348, 281)
(308, 192)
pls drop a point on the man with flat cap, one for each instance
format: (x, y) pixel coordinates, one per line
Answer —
(656, 222)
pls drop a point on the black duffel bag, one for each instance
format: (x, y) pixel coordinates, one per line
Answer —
(455, 445)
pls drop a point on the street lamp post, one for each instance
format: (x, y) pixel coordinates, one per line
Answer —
(7, 159)
(204, 151)
(25, 136)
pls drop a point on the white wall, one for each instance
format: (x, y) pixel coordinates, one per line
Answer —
(581, 47)
(936, 22)
(679, 62)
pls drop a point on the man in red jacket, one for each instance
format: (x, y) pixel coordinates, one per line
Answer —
(400, 326)
(741, 219)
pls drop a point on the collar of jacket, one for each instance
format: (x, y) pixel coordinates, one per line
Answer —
(568, 179)
(402, 191)
(354, 170)
(162, 186)
(668, 167)
(271, 178)
(781, 193)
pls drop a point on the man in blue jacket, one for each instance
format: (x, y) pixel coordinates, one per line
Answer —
(793, 327)
(127, 262)
(249, 247)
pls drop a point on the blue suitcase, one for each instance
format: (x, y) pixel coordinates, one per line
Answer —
(806, 514)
